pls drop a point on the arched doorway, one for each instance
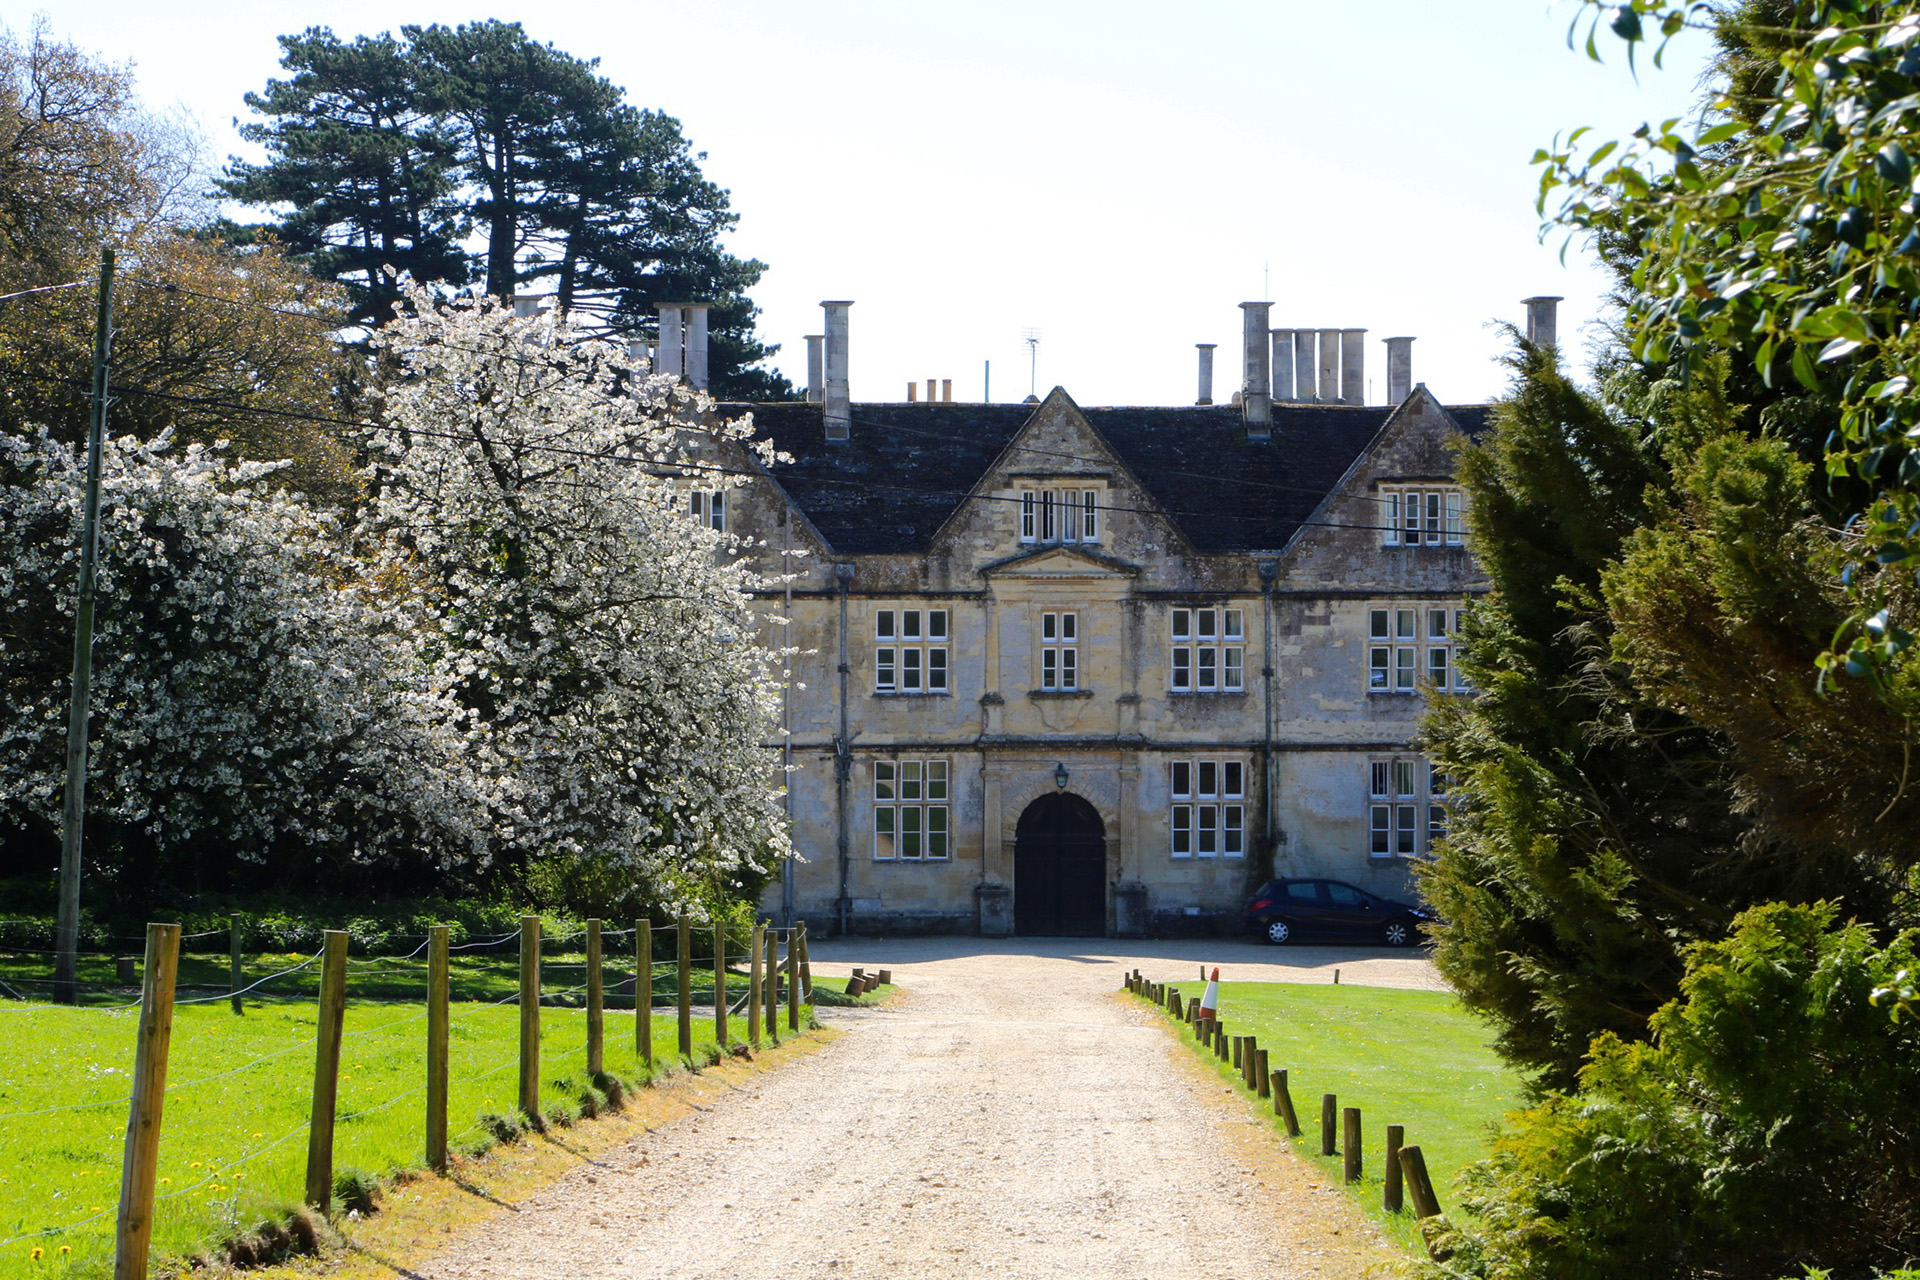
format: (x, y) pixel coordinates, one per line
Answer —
(1060, 869)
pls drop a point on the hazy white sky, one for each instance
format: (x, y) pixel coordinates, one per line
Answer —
(1117, 175)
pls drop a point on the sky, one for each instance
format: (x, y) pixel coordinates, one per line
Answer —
(1116, 176)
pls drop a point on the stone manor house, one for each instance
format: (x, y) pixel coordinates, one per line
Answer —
(1091, 671)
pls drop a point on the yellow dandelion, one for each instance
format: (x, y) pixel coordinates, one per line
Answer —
(65, 1249)
(258, 1134)
(166, 1182)
(37, 1251)
(194, 1165)
(95, 1208)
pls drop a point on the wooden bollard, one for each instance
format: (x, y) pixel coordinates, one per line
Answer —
(793, 979)
(754, 945)
(1390, 1197)
(1419, 1187)
(858, 973)
(1265, 1086)
(1336, 977)
(1238, 1043)
(1193, 1009)
(884, 977)
(643, 990)
(438, 977)
(1283, 1104)
(720, 984)
(683, 995)
(236, 959)
(596, 1002)
(140, 1156)
(1248, 1053)
(1350, 1142)
(1329, 1118)
(126, 970)
(529, 1093)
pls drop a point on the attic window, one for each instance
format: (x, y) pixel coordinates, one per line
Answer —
(1059, 515)
(1422, 516)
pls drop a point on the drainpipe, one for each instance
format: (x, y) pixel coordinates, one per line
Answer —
(1269, 571)
(843, 755)
(786, 712)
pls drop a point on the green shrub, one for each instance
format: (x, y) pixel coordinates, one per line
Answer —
(1768, 1125)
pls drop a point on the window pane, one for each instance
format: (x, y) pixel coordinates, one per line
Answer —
(1436, 781)
(1047, 517)
(1209, 779)
(883, 780)
(909, 624)
(1231, 678)
(883, 668)
(1378, 785)
(910, 669)
(1377, 669)
(936, 779)
(1068, 626)
(720, 511)
(1402, 778)
(909, 779)
(1236, 625)
(1382, 845)
(883, 843)
(1182, 831)
(1069, 670)
(1436, 624)
(1049, 668)
(1377, 624)
(1026, 515)
(1070, 515)
(936, 624)
(1208, 619)
(1208, 824)
(1403, 830)
(936, 669)
(1405, 624)
(1453, 517)
(1182, 624)
(1232, 836)
(1433, 516)
(936, 831)
(1183, 668)
(1392, 521)
(1182, 778)
(1436, 824)
(1437, 667)
(1209, 657)
(909, 831)
(1232, 782)
(1048, 622)
(883, 624)
(1403, 670)
(1090, 527)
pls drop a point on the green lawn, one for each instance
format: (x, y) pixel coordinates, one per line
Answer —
(233, 1137)
(1412, 1058)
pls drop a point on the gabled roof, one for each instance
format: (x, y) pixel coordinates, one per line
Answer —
(906, 468)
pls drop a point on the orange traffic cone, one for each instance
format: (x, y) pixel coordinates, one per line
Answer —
(1210, 1002)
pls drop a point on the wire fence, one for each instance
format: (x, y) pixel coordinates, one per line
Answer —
(376, 1090)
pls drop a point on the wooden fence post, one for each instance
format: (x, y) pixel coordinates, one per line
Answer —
(438, 983)
(806, 976)
(326, 1069)
(793, 981)
(140, 1158)
(596, 1004)
(1420, 1187)
(1263, 1086)
(236, 940)
(1350, 1143)
(530, 1017)
(1283, 1104)
(1390, 1197)
(685, 992)
(720, 983)
(1329, 1118)
(643, 990)
(753, 987)
(770, 996)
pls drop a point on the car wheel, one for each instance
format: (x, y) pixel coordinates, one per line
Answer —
(1398, 933)
(1279, 931)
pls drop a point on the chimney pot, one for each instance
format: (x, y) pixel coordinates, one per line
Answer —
(838, 406)
(816, 367)
(1256, 382)
(946, 391)
(1303, 365)
(913, 393)
(1328, 391)
(1206, 371)
(672, 357)
(1282, 363)
(1543, 321)
(1353, 366)
(1399, 369)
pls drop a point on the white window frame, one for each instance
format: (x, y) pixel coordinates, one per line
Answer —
(1422, 516)
(1207, 812)
(912, 810)
(1410, 647)
(1060, 514)
(1059, 652)
(1207, 650)
(1401, 807)
(708, 507)
(911, 649)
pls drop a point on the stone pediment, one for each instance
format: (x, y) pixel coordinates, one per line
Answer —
(1056, 563)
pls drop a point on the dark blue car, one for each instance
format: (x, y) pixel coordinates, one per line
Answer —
(1285, 910)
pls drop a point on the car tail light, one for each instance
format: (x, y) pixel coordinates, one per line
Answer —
(1261, 905)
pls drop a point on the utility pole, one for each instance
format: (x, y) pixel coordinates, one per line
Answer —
(67, 943)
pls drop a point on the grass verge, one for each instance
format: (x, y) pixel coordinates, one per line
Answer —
(1412, 1058)
(233, 1135)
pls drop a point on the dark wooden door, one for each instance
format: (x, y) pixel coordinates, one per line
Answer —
(1060, 869)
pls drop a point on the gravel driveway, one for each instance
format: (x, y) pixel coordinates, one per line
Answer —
(1008, 1117)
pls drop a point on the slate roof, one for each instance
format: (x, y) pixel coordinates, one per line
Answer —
(906, 468)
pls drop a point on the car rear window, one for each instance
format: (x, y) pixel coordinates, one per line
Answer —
(1305, 891)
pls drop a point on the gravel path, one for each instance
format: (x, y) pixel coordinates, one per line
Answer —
(1010, 1117)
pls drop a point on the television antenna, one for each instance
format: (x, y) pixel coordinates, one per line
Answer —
(1032, 338)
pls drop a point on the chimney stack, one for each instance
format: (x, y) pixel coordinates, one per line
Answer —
(1543, 321)
(1206, 371)
(1282, 363)
(946, 391)
(1256, 382)
(526, 306)
(1303, 365)
(697, 346)
(683, 342)
(838, 414)
(1399, 369)
(816, 367)
(1353, 366)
